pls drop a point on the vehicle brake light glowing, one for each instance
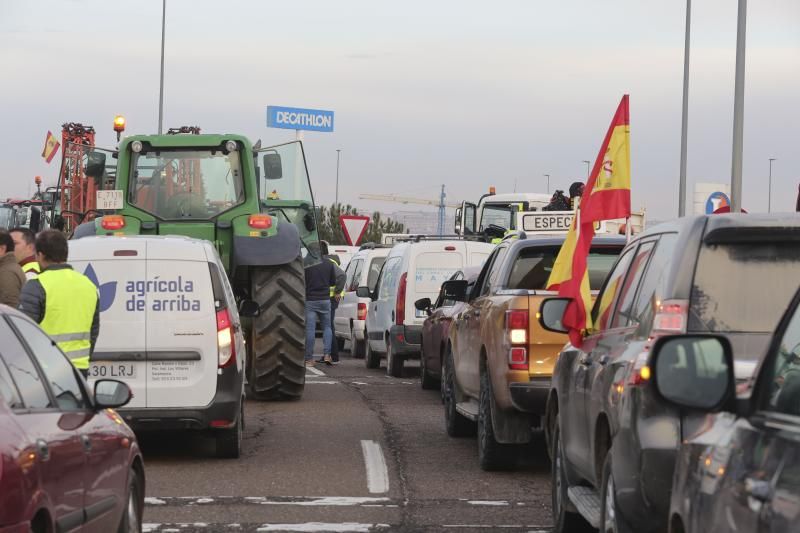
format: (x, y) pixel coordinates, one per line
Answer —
(112, 222)
(225, 342)
(517, 331)
(260, 221)
(671, 317)
(361, 312)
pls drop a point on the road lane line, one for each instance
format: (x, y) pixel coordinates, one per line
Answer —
(377, 474)
(316, 371)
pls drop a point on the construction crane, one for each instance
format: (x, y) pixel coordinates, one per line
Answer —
(440, 203)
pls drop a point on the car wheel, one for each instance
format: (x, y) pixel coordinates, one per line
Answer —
(394, 362)
(610, 519)
(565, 518)
(491, 454)
(371, 359)
(131, 521)
(456, 424)
(427, 381)
(356, 346)
(340, 343)
(229, 441)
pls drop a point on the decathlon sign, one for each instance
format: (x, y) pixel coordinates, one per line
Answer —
(293, 118)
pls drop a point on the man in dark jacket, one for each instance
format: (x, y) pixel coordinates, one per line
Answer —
(11, 276)
(64, 303)
(320, 277)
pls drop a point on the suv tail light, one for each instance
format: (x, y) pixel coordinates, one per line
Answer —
(225, 339)
(670, 319)
(517, 322)
(361, 311)
(400, 305)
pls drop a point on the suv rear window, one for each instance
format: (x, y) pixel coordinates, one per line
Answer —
(533, 266)
(743, 287)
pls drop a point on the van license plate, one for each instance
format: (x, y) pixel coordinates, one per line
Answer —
(112, 371)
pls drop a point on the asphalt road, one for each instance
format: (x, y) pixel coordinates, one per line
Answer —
(360, 452)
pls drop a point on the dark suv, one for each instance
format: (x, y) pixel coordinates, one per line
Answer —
(613, 439)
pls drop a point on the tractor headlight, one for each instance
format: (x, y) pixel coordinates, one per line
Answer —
(230, 146)
(136, 146)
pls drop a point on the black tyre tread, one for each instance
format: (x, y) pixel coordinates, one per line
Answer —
(340, 342)
(566, 521)
(371, 359)
(427, 381)
(622, 526)
(394, 363)
(228, 442)
(491, 454)
(456, 424)
(278, 366)
(357, 347)
(134, 484)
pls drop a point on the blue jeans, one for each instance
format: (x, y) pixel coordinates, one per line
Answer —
(318, 310)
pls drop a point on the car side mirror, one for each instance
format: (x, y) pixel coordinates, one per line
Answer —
(249, 309)
(110, 393)
(95, 165)
(423, 304)
(273, 169)
(694, 371)
(455, 290)
(551, 314)
(364, 292)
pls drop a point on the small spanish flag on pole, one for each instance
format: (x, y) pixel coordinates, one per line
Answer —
(606, 196)
(51, 146)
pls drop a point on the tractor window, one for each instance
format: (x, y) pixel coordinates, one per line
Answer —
(179, 185)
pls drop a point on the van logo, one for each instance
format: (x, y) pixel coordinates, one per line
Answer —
(107, 291)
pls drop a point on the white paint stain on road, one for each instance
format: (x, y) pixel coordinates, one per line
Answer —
(322, 526)
(377, 473)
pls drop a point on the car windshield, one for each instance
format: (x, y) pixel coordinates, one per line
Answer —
(499, 215)
(533, 266)
(186, 184)
(7, 219)
(743, 287)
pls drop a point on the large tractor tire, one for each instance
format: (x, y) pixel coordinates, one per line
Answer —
(277, 359)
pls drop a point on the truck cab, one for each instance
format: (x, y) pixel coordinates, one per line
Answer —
(498, 210)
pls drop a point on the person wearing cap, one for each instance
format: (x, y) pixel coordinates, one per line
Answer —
(11, 277)
(320, 276)
(65, 303)
(336, 294)
(25, 251)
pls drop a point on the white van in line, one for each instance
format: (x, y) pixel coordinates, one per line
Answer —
(169, 328)
(412, 270)
(343, 253)
(350, 318)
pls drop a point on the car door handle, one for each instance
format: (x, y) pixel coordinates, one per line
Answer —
(43, 450)
(759, 489)
(87, 443)
(585, 361)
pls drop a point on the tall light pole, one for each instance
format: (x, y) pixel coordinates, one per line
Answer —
(587, 167)
(548, 182)
(161, 82)
(685, 114)
(338, 153)
(769, 192)
(738, 111)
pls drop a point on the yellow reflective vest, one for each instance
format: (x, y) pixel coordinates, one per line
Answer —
(33, 267)
(70, 303)
(333, 287)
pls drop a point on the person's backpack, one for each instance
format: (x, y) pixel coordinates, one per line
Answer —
(559, 202)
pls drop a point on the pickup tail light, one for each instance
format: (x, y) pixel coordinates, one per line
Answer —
(517, 323)
(225, 339)
(361, 311)
(112, 222)
(400, 305)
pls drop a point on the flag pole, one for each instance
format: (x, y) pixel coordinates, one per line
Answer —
(628, 230)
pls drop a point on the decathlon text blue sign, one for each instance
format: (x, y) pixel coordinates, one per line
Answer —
(293, 118)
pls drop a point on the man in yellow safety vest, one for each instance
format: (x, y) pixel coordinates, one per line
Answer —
(25, 252)
(336, 293)
(64, 303)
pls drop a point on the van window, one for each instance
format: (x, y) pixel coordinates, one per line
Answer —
(743, 287)
(353, 274)
(390, 277)
(533, 266)
(434, 268)
(374, 269)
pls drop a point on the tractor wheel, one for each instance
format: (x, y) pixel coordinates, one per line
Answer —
(277, 366)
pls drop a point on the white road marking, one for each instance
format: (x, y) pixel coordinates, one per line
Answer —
(322, 526)
(335, 501)
(315, 371)
(488, 502)
(359, 383)
(377, 473)
(314, 381)
(154, 501)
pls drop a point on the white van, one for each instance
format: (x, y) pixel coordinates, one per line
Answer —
(412, 270)
(169, 328)
(350, 318)
(343, 253)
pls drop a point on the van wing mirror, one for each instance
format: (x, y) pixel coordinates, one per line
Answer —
(249, 308)
(455, 290)
(111, 393)
(423, 304)
(273, 169)
(551, 314)
(694, 371)
(364, 292)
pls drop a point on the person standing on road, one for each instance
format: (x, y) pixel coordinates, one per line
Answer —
(25, 251)
(66, 304)
(319, 279)
(11, 276)
(336, 295)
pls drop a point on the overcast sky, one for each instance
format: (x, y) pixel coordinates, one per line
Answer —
(461, 93)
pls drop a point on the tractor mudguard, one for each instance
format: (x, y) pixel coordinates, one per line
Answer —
(280, 249)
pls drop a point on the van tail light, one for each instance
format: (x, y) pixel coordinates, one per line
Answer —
(225, 339)
(670, 319)
(400, 305)
(517, 323)
(260, 221)
(112, 222)
(361, 311)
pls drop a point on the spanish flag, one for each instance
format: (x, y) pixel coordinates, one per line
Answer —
(606, 196)
(51, 146)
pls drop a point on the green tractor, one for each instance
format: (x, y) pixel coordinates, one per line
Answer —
(255, 204)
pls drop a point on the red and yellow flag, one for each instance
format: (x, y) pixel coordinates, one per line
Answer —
(51, 146)
(606, 196)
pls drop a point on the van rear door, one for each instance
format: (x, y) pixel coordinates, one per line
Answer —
(118, 268)
(181, 326)
(427, 271)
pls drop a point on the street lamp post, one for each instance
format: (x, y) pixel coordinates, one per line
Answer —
(548, 182)
(684, 114)
(738, 110)
(587, 167)
(161, 79)
(769, 192)
(338, 153)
